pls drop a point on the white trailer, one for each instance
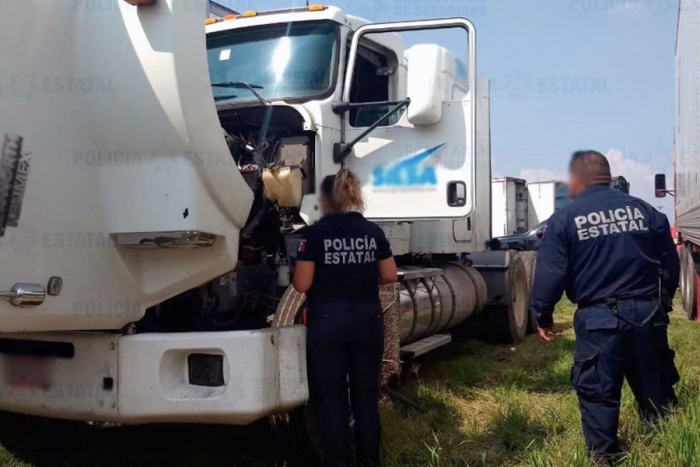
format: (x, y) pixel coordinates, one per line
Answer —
(687, 153)
(156, 181)
(509, 206)
(544, 199)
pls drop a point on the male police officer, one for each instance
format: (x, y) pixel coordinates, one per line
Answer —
(614, 256)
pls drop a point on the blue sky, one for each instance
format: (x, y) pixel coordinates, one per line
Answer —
(565, 75)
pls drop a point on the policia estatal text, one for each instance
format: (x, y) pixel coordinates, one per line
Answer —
(614, 256)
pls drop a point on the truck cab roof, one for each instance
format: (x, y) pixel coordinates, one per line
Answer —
(286, 15)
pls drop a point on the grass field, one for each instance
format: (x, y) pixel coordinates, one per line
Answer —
(482, 406)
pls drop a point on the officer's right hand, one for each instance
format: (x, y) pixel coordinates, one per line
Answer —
(546, 334)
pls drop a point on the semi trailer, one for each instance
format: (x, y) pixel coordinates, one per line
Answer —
(509, 206)
(686, 167)
(544, 198)
(157, 175)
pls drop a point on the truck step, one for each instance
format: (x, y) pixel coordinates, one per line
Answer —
(426, 345)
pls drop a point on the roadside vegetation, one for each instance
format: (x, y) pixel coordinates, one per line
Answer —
(481, 405)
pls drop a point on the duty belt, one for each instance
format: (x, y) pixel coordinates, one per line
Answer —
(608, 301)
(612, 304)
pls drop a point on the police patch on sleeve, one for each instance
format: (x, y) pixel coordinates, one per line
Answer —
(610, 222)
(302, 246)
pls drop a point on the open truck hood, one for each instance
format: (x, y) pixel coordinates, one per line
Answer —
(111, 142)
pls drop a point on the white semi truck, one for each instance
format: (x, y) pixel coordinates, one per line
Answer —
(156, 180)
(687, 153)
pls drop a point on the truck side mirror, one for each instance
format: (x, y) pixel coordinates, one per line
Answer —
(660, 185)
(424, 84)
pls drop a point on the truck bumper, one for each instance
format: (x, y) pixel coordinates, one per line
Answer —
(233, 377)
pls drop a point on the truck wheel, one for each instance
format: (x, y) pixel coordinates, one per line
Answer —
(507, 323)
(530, 260)
(682, 284)
(297, 436)
(688, 283)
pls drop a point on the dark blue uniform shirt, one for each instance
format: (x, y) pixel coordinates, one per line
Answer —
(346, 249)
(604, 245)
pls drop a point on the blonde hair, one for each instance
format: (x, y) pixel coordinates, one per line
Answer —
(345, 191)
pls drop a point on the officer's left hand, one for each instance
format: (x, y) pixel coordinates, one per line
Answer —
(546, 334)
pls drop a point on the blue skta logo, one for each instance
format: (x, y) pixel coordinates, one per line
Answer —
(408, 173)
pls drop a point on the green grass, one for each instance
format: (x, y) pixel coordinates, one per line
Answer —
(483, 405)
(499, 406)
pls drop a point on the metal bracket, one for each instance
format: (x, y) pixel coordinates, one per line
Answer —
(411, 274)
(342, 150)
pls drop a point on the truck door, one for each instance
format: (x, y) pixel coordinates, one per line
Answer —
(420, 161)
(117, 189)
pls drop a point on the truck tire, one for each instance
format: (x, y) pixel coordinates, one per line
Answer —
(688, 283)
(287, 313)
(507, 324)
(298, 436)
(530, 260)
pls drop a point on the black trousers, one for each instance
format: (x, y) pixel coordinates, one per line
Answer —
(609, 348)
(345, 345)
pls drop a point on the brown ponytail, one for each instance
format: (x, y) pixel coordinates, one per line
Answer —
(345, 191)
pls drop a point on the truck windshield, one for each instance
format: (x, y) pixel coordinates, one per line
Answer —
(294, 61)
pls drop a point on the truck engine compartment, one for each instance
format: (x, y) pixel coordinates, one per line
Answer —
(276, 158)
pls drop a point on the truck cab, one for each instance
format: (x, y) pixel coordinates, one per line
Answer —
(292, 81)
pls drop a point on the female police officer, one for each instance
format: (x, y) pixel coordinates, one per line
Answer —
(340, 263)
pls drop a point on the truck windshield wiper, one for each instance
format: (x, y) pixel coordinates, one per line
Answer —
(243, 85)
(224, 97)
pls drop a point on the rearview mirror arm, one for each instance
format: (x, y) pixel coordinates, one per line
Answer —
(342, 107)
(342, 150)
